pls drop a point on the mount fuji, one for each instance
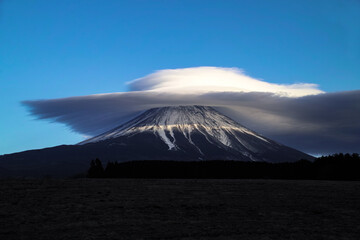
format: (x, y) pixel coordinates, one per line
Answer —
(184, 133)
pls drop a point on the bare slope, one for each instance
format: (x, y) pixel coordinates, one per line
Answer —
(171, 133)
(179, 209)
(199, 132)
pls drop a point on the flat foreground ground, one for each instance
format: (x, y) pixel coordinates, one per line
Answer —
(179, 209)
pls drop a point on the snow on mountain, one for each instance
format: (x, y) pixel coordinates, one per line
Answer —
(202, 127)
(185, 119)
(184, 133)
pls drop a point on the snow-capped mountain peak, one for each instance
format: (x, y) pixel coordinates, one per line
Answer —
(184, 119)
(192, 132)
(183, 133)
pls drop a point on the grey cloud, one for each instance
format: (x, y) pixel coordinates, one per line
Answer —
(319, 124)
(324, 123)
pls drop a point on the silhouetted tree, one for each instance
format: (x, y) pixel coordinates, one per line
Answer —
(110, 170)
(96, 169)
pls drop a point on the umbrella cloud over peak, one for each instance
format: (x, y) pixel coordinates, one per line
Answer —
(199, 80)
(299, 115)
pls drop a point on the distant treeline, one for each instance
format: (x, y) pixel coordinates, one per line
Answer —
(334, 167)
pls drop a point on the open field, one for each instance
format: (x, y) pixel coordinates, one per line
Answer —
(178, 209)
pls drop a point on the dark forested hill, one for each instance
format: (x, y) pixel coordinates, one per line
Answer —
(335, 167)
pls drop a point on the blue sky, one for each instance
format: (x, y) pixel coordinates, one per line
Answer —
(54, 49)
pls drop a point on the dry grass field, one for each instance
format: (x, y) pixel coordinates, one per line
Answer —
(178, 209)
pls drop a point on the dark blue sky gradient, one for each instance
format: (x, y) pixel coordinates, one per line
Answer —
(61, 48)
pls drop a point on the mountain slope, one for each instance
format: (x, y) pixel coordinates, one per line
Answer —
(199, 132)
(170, 133)
(183, 119)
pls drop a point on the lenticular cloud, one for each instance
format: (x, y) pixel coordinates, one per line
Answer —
(299, 115)
(201, 80)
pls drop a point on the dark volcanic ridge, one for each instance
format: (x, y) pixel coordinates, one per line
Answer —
(184, 133)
